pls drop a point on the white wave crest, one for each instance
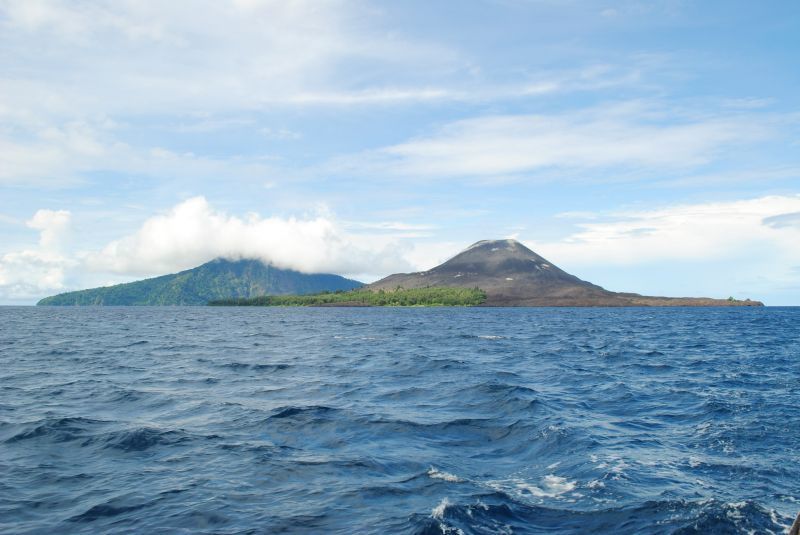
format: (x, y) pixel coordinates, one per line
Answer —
(438, 474)
(437, 512)
(550, 486)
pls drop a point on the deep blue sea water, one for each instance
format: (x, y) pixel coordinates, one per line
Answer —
(418, 421)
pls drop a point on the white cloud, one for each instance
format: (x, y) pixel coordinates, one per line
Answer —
(738, 176)
(59, 156)
(29, 273)
(631, 135)
(282, 134)
(749, 245)
(690, 249)
(69, 66)
(53, 226)
(747, 103)
(708, 231)
(791, 219)
(391, 226)
(194, 232)
(194, 55)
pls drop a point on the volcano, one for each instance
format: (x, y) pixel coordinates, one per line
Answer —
(218, 279)
(513, 275)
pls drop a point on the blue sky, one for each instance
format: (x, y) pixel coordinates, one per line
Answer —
(645, 146)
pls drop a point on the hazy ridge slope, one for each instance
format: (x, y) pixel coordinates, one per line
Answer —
(513, 275)
(217, 279)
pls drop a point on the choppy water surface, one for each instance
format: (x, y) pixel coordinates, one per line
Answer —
(268, 420)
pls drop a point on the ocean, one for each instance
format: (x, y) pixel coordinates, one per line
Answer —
(399, 420)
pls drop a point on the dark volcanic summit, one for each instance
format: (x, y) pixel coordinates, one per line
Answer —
(513, 275)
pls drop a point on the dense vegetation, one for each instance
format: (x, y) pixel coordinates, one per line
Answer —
(213, 280)
(432, 296)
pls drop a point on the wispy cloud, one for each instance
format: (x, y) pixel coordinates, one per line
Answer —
(632, 135)
(787, 220)
(755, 231)
(75, 74)
(62, 156)
(760, 176)
(197, 56)
(744, 248)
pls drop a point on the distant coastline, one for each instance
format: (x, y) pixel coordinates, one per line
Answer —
(417, 297)
(513, 275)
(493, 273)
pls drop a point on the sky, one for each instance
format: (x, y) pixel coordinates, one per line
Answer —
(651, 147)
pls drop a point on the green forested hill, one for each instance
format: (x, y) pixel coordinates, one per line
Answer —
(218, 279)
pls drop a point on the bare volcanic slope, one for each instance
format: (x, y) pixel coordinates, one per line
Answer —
(513, 275)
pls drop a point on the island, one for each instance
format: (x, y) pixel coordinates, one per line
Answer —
(217, 279)
(494, 273)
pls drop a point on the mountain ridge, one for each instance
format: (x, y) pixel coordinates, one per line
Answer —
(217, 279)
(513, 275)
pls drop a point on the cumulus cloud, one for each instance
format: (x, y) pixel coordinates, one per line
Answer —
(746, 244)
(194, 232)
(28, 273)
(53, 226)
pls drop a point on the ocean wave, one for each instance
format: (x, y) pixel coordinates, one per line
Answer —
(140, 439)
(126, 396)
(433, 473)
(549, 486)
(55, 429)
(261, 368)
(104, 510)
(576, 421)
(490, 515)
(468, 336)
(310, 411)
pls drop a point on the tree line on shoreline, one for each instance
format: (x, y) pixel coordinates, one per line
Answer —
(430, 296)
